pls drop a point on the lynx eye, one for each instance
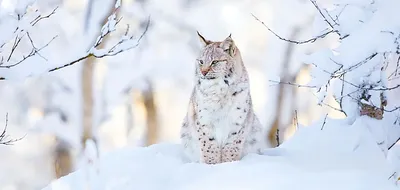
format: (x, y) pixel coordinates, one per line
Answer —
(214, 62)
(201, 62)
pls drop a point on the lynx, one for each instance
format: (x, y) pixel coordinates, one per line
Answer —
(220, 124)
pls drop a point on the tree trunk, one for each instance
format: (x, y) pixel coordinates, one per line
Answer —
(129, 114)
(87, 100)
(63, 159)
(151, 115)
(275, 134)
(87, 82)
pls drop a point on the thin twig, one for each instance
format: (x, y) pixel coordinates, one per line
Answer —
(296, 120)
(277, 137)
(4, 137)
(33, 52)
(323, 124)
(17, 40)
(293, 84)
(322, 14)
(392, 175)
(39, 18)
(294, 41)
(341, 93)
(395, 142)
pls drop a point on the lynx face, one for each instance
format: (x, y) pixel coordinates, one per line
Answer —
(217, 59)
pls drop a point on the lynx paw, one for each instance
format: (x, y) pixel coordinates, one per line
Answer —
(211, 154)
(230, 152)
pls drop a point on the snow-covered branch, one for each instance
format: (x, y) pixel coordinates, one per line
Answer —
(7, 61)
(359, 70)
(21, 31)
(124, 44)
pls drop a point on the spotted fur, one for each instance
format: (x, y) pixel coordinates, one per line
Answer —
(220, 124)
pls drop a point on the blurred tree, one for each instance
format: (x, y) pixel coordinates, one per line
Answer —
(151, 114)
(63, 162)
(62, 155)
(87, 77)
(142, 98)
(285, 92)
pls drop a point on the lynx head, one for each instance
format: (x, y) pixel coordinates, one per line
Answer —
(218, 59)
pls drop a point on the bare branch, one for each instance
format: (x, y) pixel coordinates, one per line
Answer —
(330, 106)
(14, 46)
(341, 93)
(323, 124)
(70, 63)
(391, 176)
(294, 41)
(4, 139)
(395, 142)
(351, 68)
(40, 17)
(293, 84)
(33, 52)
(395, 72)
(322, 14)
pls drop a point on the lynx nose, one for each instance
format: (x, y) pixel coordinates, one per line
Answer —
(204, 71)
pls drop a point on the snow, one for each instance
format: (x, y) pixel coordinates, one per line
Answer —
(118, 4)
(18, 27)
(366, 35)
(338, 157)
(340, 154)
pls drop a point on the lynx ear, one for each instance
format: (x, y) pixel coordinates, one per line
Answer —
(228, 45)
(203, 41)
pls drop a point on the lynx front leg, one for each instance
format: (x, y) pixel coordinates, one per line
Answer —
(232, 150)
(210, 151)
(209, 148)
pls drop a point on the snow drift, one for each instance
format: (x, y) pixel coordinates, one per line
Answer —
(328, 155)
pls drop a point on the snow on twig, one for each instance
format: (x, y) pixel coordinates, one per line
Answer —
(125, 43)
(20, 32)
(356, 69)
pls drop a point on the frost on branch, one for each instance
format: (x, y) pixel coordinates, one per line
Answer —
(361, 72)
(356, 70)
(13, 36)
(10, 42)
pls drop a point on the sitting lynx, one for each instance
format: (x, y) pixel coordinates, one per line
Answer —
(220, 124)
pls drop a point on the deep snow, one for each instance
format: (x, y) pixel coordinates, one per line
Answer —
(339, 156)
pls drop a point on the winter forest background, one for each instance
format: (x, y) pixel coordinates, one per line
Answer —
(122, 73)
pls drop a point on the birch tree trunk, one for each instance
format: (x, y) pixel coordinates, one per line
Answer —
(87, 80)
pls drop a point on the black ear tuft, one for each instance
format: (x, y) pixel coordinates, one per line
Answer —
(203, 40)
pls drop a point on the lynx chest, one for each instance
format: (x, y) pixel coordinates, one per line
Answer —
(218, 109)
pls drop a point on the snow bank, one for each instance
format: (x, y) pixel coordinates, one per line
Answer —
(337, 157)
